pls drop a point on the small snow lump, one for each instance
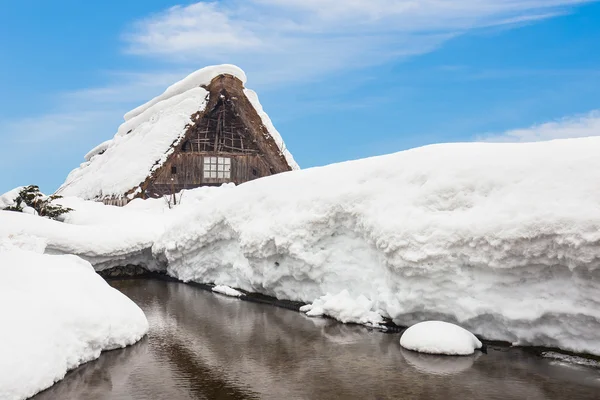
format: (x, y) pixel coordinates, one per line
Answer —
(437, 337)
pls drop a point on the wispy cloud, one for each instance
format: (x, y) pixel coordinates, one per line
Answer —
(276, 41)
(296, 40)
(570, 127)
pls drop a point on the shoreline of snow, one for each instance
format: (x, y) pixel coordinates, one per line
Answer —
(57, 314)
(227, 291)
(465, 233)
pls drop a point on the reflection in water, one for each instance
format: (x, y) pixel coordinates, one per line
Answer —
(206, 346)
(439, 365)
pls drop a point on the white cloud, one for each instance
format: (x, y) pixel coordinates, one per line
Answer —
(197, 26)
(275, 41)
(570, 127)
(297, 40)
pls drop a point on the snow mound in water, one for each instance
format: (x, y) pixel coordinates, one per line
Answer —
(227, 291)
(57, 313)
(344, 308)
(437, 337)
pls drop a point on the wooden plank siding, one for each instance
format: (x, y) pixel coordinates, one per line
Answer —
(230, 127)
(186, 171)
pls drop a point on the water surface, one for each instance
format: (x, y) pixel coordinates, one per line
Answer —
(206, 346)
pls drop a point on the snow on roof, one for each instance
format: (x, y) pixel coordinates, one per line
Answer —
(202, 77)
(101, 148)
(146, 138)
(253, 97)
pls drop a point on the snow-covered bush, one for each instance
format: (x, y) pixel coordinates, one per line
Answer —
(31, 200)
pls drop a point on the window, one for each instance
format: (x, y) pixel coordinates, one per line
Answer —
(254, 172)
(173, 170)
(217, 167)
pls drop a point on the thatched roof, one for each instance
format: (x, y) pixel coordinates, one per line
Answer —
(152, 132)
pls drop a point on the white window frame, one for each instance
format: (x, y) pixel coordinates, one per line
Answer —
(217, 168)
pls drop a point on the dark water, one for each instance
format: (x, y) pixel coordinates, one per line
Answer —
(207, 346)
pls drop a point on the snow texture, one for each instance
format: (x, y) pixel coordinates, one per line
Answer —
(199, 78)
(227, 291)
(344, 308)
(438, 337)
(8, 198)
(101, 148)
(503, 239)
(57, 313)
(146, 138)
(106, 236)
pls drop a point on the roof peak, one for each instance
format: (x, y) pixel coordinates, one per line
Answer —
(201, 77)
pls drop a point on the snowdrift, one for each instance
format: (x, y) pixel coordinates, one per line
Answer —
(105, 236)
(57, 313)
(503, 239)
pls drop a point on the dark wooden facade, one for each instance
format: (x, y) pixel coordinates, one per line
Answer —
(227, 142)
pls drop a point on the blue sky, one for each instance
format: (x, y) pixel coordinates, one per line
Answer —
(340, 80)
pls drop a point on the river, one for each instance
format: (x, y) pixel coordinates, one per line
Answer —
(207, 346)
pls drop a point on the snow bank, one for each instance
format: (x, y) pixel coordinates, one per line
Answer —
(146, 138)
(57, 313)
(106, 236)
(226, 290)
(437, 337)
(503, 239)
(344, 308)
(103, 235)
(104, 245)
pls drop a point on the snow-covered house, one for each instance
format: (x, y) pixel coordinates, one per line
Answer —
(205, 130)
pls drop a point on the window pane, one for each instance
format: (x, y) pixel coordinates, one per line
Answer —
(213, 160)
(227, 161)
(206, 161)
(220, 175)
(221, 167)
(227, 175)
(227, 168)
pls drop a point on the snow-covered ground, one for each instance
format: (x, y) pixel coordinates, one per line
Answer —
(502, 239)
(57, 313)
(438, 337)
